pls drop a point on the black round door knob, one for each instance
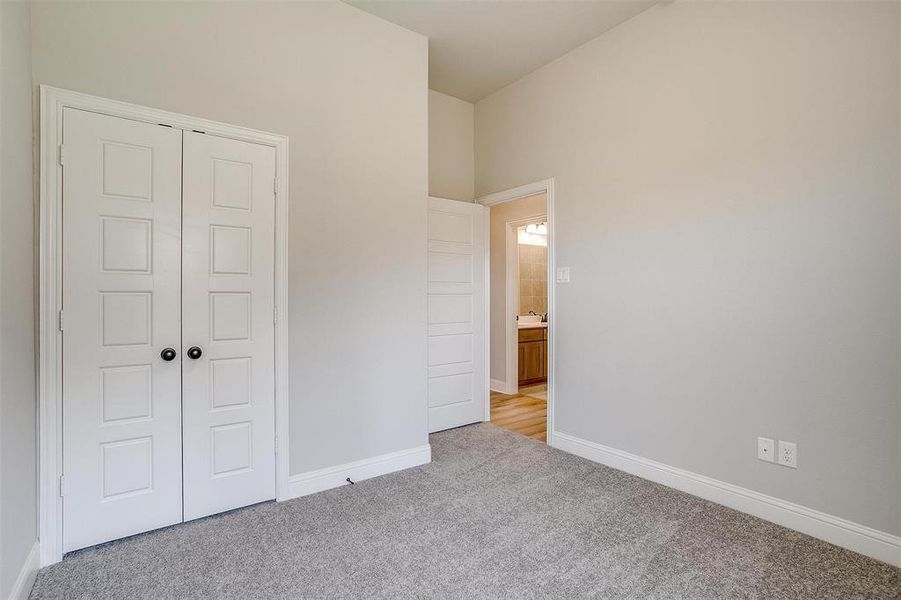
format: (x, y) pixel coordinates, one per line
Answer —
(168, 354)
(195, 352)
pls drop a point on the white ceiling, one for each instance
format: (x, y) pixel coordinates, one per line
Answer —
(476, 47)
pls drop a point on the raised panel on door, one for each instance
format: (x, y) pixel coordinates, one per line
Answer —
(228, 295)
(457, 384)
(121, 401)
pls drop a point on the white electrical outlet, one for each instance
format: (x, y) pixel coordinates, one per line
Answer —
(788, 454)
(562, 274)
(766, 449)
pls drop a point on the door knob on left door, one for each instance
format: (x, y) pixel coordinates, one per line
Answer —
(168, 354)
(195, 352)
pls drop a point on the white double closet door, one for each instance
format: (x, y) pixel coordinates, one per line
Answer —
(167, 325)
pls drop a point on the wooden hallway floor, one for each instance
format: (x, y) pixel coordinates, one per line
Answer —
(524, 413)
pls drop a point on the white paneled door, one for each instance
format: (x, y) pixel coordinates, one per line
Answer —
(167, 326)
(121, 303)
(228, 310)
(457, 378)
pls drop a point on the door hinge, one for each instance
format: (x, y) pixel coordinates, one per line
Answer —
(62, 486)
(62, 155)
(275, 186)
(275, 316)
(276, 444)
(60, 320)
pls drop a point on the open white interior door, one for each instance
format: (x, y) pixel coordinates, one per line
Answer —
(457, 311)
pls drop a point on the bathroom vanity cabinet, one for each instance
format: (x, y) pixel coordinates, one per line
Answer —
(532, 355)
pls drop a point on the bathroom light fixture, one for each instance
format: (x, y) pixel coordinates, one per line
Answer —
(533, 234)
(536, 229)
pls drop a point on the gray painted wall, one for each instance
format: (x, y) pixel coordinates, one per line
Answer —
(18, 471)
(728, 200)
(451, 160)
(350, 90)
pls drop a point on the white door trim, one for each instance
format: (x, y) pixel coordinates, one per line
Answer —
(511, 309)
(546, 186)
(53, 101)
(487, 324)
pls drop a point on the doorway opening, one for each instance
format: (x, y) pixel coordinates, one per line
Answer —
(521, 310)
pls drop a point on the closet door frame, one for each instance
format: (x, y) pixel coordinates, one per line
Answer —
(51, 321)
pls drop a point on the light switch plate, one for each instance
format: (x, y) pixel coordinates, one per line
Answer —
(766, 449)
(562, 274)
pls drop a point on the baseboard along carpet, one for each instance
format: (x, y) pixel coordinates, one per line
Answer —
(495, 515)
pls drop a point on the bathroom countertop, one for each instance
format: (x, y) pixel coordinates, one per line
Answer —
(533, 325)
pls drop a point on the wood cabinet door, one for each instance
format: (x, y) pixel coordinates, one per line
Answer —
(531, 362)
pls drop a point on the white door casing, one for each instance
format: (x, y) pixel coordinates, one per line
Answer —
(457, 314)
(228, 310)
(545, 186)
(121, 400)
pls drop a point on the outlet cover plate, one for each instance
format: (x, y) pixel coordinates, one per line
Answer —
(788, 454)
(766, 449)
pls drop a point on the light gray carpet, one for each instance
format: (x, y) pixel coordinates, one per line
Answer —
(496, 515)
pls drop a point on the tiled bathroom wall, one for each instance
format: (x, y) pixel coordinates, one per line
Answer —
(532, 279)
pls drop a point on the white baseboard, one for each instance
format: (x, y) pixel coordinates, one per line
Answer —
(332, 477)
(24, 582)
(835, 530)
(498, 385)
